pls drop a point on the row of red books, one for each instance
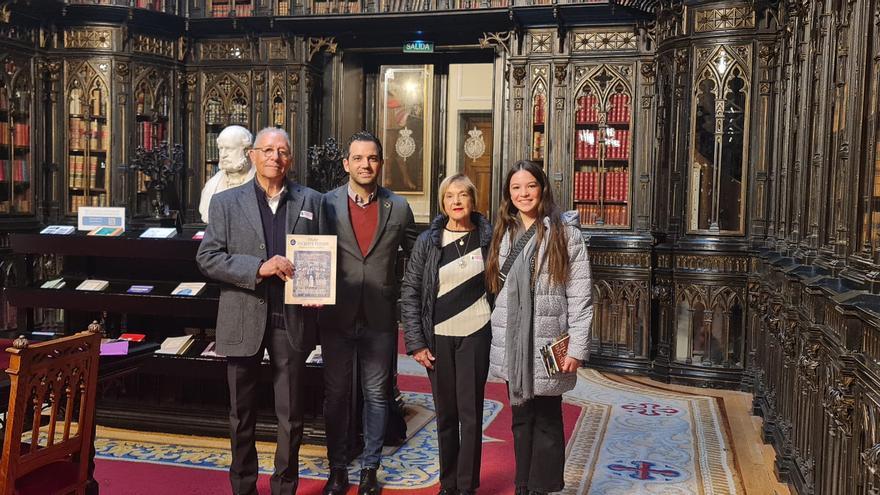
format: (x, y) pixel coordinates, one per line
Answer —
(86, 132)
(21, 135)
(586, 144)
(95, 200)
(588, 109)
(613, 215)
(538, 113)
(150, 134)
(586, 186)
(17, 170)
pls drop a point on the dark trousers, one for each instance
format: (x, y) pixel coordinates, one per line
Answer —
(539, 444)
(243, 374)
(458, 382)
(375, 351)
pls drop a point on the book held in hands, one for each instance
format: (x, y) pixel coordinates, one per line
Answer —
(553, 355)
(188, 289)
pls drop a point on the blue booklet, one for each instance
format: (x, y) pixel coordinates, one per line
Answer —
(140, 289)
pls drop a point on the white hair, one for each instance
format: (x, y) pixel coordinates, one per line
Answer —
(273, 130)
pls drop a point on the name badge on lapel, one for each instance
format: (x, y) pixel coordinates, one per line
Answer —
(306, 214)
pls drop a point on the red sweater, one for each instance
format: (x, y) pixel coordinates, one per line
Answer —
(364, 222)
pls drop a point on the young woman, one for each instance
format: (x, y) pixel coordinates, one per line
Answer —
(543, 292)
(445, 312)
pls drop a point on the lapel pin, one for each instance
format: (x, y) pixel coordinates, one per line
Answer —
(387, 204)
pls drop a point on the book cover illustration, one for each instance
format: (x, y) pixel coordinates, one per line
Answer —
(188, 289)
(314, 269)
(553, 355)
(133, 337)
(107, 231)
(93, 284)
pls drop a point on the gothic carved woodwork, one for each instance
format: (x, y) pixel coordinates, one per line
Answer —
(225, 50)
(839, 404)
(317, 44)
(150, 45)
(603, 41)
(90, 38)
(540, 42)
(725, 19)
(621, 318)
(709, 324)
(500, 40)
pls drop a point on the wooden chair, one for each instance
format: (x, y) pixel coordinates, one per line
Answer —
(50, 455)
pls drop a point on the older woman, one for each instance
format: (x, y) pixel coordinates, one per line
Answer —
(539, 269)
(445, 312)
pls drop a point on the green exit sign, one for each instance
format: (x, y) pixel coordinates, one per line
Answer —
(418, 47)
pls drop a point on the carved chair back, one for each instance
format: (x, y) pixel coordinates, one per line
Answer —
(50, 419)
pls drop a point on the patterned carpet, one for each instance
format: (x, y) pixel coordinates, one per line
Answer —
(624, 438)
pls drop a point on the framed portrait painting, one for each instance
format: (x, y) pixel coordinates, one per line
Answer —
(404, 112)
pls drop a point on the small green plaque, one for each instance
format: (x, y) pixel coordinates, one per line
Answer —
(418, 47)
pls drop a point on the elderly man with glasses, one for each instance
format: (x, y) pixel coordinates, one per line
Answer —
(244, 250)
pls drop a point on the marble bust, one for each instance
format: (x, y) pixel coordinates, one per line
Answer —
(235, 168)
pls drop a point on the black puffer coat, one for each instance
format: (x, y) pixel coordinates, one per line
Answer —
(419, 290)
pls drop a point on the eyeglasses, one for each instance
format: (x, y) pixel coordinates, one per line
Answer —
(270, 152)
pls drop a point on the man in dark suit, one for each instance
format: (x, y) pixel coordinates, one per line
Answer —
(371, 224)
(244, 249)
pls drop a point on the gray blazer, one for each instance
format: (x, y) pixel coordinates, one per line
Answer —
(231, 253)
(371, 280)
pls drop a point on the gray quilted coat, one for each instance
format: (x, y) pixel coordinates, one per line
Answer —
(557, 309)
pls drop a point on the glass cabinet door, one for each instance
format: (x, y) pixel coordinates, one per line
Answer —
(16, 162)
(225, 103)
(717, 171)
(602, 125)
(88, 140)
(539, 122)
(151, 119)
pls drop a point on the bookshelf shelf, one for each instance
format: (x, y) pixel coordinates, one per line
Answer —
(16, 152)
(152, 97)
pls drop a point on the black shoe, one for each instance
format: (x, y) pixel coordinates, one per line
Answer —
(521, 490)
(467, 492)
(447, 491)
(369, 485)
(337, 483)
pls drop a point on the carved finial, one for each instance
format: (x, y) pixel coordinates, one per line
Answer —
(20, 343)
(95, 327)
